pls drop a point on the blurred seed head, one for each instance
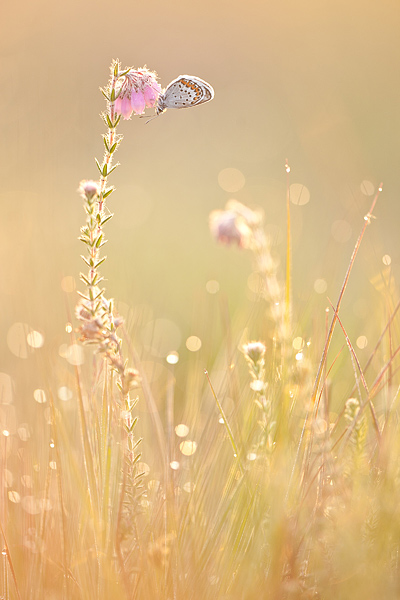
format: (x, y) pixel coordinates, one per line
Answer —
(88, 189)
(254, 351)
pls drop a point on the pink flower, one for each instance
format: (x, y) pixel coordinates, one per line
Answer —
(227, 228)
(137, 102)
(137, 89)
(151, 94)
(123, 107)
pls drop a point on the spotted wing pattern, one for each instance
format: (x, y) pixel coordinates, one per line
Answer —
(183, 92)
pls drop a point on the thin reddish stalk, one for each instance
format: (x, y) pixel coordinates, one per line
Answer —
(374, 351)
(349, 344)
(367, 221)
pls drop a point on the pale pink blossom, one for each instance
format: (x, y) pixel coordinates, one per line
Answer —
(138, 103)
(254, 351)
(123, 107)
(227, 228)
(136, 90)
(89, 188)
(151, 94)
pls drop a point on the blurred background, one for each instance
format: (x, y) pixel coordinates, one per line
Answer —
(315, 82)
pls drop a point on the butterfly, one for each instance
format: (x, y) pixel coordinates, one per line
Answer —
(183, 92)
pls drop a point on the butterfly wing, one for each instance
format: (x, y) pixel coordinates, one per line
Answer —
(185, 91)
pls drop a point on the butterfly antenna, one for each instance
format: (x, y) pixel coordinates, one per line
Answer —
(151, 118)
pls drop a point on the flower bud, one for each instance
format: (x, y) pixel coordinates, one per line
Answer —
(227, 228)
(254, 351)
(88, 189)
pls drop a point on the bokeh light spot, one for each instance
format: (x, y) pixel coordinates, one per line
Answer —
(6, 395)
(23, 432)
(188, 486)
(35, 339)
(367, 188)
(362, 342)
(341, 231)
(251, 456)
(188, 447)
(8, 420)
(63, 350)
(74, 355)
(154, 485)
(172, 358)
(31, 505)
(298, 343)
(181, 430)
(68, 284)
(40, 396)
(386, 259)
(193, 343)
(143, 468)
(46, 504)
(8, 478)
(64, 393)
(212, 286)
(231, 180)
(174, 465)
(299, 194)
(17, 339)
(320, 286)
(14, 497)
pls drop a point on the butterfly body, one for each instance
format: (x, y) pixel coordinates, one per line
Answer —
(183, 92)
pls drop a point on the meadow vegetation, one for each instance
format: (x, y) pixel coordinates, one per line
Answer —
(259, 487)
